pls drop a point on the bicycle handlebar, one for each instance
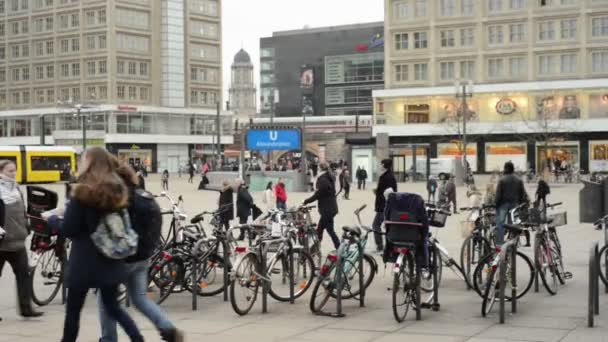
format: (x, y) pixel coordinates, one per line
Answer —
(553, 205)
(601, 220)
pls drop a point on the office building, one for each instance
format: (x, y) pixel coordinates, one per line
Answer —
(539, 71)
(140, 66)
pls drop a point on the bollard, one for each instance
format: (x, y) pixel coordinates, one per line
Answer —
(291, 275)
(470, 250)
(339, 286)
(435, 305)
(227, 267)
(194, 282)
(513, 278)
(501, 282)
(361, 278)
(591, 292)
(262, 271)
(596, 280)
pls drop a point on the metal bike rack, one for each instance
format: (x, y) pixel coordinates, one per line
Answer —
(195, 285)
(339, 285)
(509, 247)
(266, 282)
(227, 266)
(593, 304)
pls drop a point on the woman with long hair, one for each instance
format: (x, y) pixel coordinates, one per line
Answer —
(100, 191)
(13, 232)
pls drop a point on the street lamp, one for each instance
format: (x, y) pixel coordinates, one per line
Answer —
(78, 107)
(463, 90)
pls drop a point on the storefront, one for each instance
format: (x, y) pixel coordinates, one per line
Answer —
(598, 156)
(497, 154)
(454, 149)
(558, 155)
(137, 155)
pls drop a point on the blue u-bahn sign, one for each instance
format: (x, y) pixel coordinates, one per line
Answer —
(272, 140)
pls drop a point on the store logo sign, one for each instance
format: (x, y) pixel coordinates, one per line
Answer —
(506, 107)
(273, 140)
(376, 41)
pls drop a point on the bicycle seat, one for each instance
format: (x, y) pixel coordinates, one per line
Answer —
(356, 231)
(196, 219)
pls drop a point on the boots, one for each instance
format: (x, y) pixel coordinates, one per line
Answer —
(172, 335)
(29, 312)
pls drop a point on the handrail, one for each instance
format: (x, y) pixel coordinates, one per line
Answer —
(509, 247)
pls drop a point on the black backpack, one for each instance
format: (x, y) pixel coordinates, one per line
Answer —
(147, 221)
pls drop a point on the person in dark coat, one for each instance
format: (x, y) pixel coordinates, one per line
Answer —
(386, 180)
(99, 191)
(431, 188)
(226, 205)
(450, 189)
(190, 171)
(13, 233)
(244, 204)
(325, 195)
(510, 192)
(542, 191)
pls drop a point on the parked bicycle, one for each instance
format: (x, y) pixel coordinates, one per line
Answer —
(481, 240)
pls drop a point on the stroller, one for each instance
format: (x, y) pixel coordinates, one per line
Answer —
(406, 225)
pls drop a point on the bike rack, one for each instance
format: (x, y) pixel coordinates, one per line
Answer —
(509, 247)
(266, 283)
(433, 302)
(227, 261)
(194, 281)
(593, 303)
(339, 313)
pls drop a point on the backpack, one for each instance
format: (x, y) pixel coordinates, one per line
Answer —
(147, 222)
(114, 237)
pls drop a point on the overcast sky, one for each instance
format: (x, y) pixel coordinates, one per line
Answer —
(246, 21)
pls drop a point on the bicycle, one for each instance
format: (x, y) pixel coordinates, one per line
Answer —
(602, 224)
(340, 272)
(479, 244)
(484, 268)
(254, 267)
(307, 235)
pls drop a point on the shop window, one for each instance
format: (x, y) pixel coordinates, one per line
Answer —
(416, 113)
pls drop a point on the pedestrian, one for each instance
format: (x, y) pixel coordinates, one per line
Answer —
(141, 181)
(451, 194)
(147, 222)
(431, 188)
(542, 191)
(226, 205)
(190, 171)
(268, 198)
(363, 178)
(205, 168)
(358, 176)
(281, 195)
(244, 204)
(385, 181)
(165, 180)
(13, 232)
(325, 195)
(346, 184)
(99, 191)
(510, 192)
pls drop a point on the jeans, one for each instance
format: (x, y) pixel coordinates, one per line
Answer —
(501, 216)
(281, 205)
(20, 266)
(137, 288)
(432, 196)
(165, 184)
(326, 222)
(377, 228)
(75, 302)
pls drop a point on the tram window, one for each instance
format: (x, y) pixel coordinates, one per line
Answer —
(11, 158)
(50, 163)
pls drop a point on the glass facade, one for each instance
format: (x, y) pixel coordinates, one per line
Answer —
(359, 68)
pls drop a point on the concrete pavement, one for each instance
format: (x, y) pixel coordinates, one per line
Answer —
(541, 317)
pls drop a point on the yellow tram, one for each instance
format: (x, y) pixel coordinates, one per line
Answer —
(40, 164)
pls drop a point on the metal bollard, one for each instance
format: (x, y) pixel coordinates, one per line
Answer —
(227, 267)
(596, 280)
(262, 271)
(502, 283)
(291, 276)
(435, 305)
(514, 278)
(591, 296)
(339, 287)
(361, 279)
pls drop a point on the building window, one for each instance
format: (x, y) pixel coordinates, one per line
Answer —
(143, 93)
(517, 33)
(467, 7)
(132, 68)
(2, 52)
(120, 67)
(2, 75)
(546, 31)
(102, 41)
(103, 68)
(267, 66)
(467, 37)
(517, 4)
(103, 92)
(65, 46)
(50, 47)
(90, 18)
(546, 64)
(90, 94)
(16, 74)
(568, 64)
(420, 72)
(599, 26)
(76, 94)
(267, 52)
(495, 5)
(401, 72)
(91, 68)
(39, 72)
(401, 10)
(120, 92)
(517, 67)
(447, 38)
(467, 70)
(568, 29)
(194, 74)
(420, 8)
(75, 69)
(2, 29)
(495, 35)
(75, 20)
(50, 98)
(143, 69)
(495, 68)
(448, 8)
(50, 71)
(132, 93)
(401, 41)
(420, 40)
(75, 44)
(101, 16)
(414, 114)
(599, 61)
(91, 42)
(446, 71)
(65, 70)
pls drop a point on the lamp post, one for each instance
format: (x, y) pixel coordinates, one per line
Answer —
(79, 107)
(464, 90)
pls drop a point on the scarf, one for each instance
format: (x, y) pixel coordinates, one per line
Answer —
(9, 190)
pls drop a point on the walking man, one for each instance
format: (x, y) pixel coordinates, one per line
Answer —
(386, 180)
(510, 192)
(325, 195)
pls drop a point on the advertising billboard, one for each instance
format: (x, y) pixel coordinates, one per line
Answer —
(307, 77)
(273, 140)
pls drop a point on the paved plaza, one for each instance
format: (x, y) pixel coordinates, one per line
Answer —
(541, 317)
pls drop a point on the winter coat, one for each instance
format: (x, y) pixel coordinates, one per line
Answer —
(12, 217)
(280, 193)
(386, 180)
(244, 202)
(226, 198)
(325, 195)
(510, 189)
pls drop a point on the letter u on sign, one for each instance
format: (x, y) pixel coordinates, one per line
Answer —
(274, 135)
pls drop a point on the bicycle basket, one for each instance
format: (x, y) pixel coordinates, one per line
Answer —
(437, 219)
(558, 218)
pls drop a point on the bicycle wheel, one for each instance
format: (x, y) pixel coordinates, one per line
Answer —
(404, 288)
(210, 276)
(304, 273)
(244, 285)
(481, 274)
(164, 278)
(490, 292)
(603, 260)
(47, 277)
(350, 276)
(545, 266)
(426, 277)
(323, 290)
(556, 256)
(473, 250)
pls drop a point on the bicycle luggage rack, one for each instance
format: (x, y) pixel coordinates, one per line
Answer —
(509, 247)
